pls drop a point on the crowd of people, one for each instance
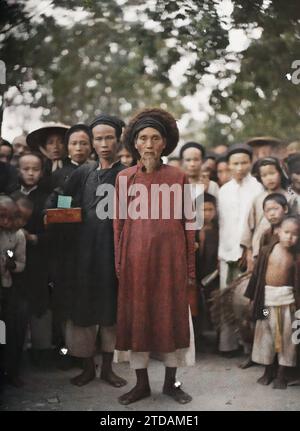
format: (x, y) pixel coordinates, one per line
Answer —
(126, 288)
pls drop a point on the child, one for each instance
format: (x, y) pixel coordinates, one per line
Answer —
(12, 260)
(207, 255)
(293, 163)
(270, 174)
(275, 207)
(36, 271)
(273, 288)
(125, 157)
(235, 200)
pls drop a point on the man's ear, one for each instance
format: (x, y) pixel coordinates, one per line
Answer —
(286, 210)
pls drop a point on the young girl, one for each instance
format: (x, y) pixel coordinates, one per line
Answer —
(268, 172)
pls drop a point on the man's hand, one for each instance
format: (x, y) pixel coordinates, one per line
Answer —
(242, 262)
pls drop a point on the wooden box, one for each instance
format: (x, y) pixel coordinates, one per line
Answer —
(63, 215)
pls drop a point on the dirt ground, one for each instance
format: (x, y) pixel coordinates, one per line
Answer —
(215, 383)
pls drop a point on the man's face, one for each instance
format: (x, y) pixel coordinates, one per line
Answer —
(274, 212)
(223, 173)
(220, 149)
(150, 144)
(239, 165)
(192, 162)
(295, 177)
(205, 178)
(5, 153)
(262, 151)
(288, 233)
(105, 141)
(55, 147)
(79, 147)
(20, 148)
(30, 168)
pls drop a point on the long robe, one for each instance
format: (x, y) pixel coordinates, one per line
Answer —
(154, 259)
(94, 298)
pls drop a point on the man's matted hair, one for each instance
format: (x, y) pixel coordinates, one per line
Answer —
(164, 117)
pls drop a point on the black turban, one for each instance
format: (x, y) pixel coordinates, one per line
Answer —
(78, 128)
(238, 149)
(192, 145)
(109, 120)
(144, 122)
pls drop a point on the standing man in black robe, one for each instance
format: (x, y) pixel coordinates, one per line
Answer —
(94, 299)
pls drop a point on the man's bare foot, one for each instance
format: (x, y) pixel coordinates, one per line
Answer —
(280, 381)
(113, 379)
(137, 393)
(247, 363)
(267, 377)
(177, 393)
(84, 378)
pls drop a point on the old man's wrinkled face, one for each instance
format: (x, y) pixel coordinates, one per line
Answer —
(150, 145)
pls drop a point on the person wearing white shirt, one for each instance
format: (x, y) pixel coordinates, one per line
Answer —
(235, 200)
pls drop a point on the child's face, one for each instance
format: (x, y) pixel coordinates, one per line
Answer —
(295, 177)
(125, 157)
(239, 165)
(192, 161)
(288, 234)
(209, 211)
(223, 173)
(30, 168)
(22, 217)
(8, 222)
(3, 216)
(270, 177)
(274, 212)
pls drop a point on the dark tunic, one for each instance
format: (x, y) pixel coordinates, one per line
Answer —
(256, 288)
(62, 248)
(154, 259)
(94, 298)
(36, 269)
(60, 176)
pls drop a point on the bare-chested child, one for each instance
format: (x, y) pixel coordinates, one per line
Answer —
(273, 290)
(275, 207)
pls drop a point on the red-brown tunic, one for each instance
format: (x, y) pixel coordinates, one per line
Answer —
(154, 259)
